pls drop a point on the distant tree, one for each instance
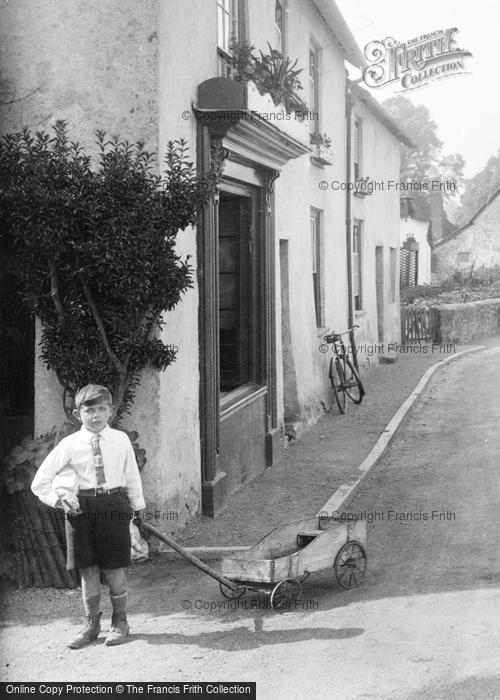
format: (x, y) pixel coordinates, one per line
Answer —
(451, 167)
(426, 157)
(479, 189)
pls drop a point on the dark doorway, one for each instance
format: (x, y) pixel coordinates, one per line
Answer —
(243, 388)
(235, 292)
(17, 348)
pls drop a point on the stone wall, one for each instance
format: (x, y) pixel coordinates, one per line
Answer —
(462, 323)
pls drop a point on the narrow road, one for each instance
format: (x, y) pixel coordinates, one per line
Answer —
(434, 582)
(425, 623)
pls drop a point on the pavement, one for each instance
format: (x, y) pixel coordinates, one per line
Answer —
(321, 471)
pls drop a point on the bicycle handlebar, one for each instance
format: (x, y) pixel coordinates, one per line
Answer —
(333, 336)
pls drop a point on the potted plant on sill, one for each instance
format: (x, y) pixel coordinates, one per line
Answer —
(362, 187)
(272, 74)
(321, 154)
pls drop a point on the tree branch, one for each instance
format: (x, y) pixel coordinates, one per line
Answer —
(118, 391)
(137, 334)
(121, 386)
(54, 291)
(120, 368)
(153, 322)
(19, 99)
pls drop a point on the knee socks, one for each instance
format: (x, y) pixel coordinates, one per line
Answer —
(91, 591)
(119, 603)
(92, 605)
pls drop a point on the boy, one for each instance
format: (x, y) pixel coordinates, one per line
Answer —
(107, 488)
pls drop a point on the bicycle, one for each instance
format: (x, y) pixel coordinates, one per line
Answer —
(344, 377)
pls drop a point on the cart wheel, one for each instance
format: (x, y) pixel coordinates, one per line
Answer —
(229, 593)
(286, 591)
(350, 565)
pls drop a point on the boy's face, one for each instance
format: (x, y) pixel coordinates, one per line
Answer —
(95, 418)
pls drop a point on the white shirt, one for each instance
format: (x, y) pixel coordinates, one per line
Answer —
(75, 451)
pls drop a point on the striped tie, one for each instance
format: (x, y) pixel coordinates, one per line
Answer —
(98, 463)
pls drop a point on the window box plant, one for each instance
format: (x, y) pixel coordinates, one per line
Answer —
(363, 187)
(321, 154)
(271, 73)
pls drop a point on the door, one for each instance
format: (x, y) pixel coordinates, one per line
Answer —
(379, 283)
(241, 335)
(17, 350)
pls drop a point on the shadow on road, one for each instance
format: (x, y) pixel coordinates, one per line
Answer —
(242, 638)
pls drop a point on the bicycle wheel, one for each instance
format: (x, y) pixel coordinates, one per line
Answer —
(353, 386)
(336, 374)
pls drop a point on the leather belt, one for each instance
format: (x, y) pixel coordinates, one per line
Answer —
(101, 491)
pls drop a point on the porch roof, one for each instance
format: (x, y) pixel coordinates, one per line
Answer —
(225, 106)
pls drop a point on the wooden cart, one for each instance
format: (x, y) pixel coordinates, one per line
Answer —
(284, 558)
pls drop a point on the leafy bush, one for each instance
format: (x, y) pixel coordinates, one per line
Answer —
(96, 247)
(459, 287)
(481, 277)
(422, 291)
(24, 459)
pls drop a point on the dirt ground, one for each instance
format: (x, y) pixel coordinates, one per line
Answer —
(172, 603)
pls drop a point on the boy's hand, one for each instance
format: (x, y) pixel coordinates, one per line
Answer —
(139, 517)
(71, 505)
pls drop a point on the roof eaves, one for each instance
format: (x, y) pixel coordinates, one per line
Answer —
(377, 110)
(332, 16)
(459, 230)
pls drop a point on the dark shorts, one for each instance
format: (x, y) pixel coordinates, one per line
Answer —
(101, 534)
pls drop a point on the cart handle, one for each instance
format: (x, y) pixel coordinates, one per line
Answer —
(190, 557)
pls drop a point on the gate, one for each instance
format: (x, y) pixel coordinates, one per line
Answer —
(416, 325)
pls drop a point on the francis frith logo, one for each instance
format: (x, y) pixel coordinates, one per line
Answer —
(416, 62)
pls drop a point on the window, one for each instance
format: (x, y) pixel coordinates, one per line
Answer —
(316, 245)
(230, 21)
(233, 292)
(392, 275)
(279, 22)
(314, 89)
(240, 289)
(356, 145)
(434, 263)
(356, 264)
(464, 257)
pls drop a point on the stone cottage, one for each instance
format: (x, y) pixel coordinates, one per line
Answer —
(476, 243)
